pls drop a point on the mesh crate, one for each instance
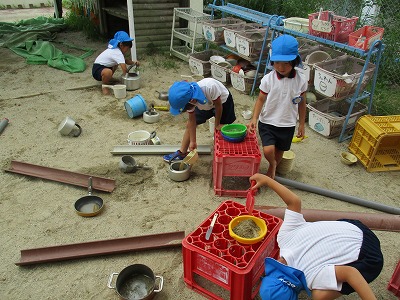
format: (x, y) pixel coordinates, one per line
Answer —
(296, 24)
(376, 142)
(327, 116)
(364, 37)
(243, 83)
(199, 63)
(213, 30)
(338, 78)
(394, 283)
(221, 267)
(230, 32)
(249, 44)
(221, 72)
(327, 25)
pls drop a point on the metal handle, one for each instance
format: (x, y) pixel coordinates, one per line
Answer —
(160, 286)
(110, 279)
(76, 134)
(90, 186)
(213, 220)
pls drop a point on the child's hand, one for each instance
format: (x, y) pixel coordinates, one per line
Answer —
(259, 180)
(251, 126)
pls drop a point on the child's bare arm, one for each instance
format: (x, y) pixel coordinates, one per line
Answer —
(354, 278)
(292, 201)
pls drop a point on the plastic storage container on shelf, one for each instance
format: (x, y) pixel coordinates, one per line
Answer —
(221, 71)
(338, 78)
(296, 24)
(221, 267)
(327, 116)
(364, 37)
(249, 44)
(199, 63)
(230, 32)
(327, 25)
(244, 83)
(233, 164)
(376, 142)
(213, 30)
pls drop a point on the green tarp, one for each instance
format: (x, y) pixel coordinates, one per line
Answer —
(33, 39)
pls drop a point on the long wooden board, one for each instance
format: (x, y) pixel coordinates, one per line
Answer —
(79, 179)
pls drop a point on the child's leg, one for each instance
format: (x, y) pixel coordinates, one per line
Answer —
(270, 155)
(106, 76)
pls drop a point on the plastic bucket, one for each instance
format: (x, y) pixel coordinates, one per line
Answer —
(139, 137)
(135, 106)
(119, 91)
(211, 124)
(287, 162)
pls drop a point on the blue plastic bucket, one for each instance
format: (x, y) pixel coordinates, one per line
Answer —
(135, 106)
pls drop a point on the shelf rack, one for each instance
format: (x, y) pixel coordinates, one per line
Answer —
(275, 23)
(187, 35)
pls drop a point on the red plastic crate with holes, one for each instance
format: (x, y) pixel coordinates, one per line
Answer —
(221, 267)
(364, 37)
(394, 283)
(234, 160)
(327, 25)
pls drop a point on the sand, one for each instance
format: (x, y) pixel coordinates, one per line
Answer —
(39, 213)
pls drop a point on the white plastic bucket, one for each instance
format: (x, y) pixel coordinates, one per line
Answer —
(119, 91)
(211, 124)
(139, 137)
(287, 162)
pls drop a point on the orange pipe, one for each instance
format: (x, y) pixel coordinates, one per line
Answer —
(384, 222)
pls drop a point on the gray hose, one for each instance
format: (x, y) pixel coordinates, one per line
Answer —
(339, 196)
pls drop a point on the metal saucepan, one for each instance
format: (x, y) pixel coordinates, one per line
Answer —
(136, 282)
(67, 127)
(162, 95)
(89, 206)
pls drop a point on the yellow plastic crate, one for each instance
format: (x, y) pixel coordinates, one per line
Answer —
(376, 142)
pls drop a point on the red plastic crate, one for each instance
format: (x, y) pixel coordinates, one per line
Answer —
(235, 160)
(394, 283)
(221, 267)
(327, 25)
(364, 37)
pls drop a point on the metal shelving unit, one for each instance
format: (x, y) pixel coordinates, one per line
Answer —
(189, 36)
(275, 23)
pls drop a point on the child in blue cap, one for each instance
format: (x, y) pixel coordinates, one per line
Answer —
(107, 62)
(202, 100)
(280, 101)
(330, 258)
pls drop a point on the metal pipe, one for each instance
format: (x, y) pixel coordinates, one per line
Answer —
(374, 221)
(339, 196)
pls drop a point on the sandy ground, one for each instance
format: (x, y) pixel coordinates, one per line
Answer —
(39, 213)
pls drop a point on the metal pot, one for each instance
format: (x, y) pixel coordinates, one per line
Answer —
(179, 170)
(136, 282)
(162, 95)
(131, 80)
(67, 127)
(89, 206)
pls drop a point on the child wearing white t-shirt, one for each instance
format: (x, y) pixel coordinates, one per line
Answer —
(108, 61)
(335, 257)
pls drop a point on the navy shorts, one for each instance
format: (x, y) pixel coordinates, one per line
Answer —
(370, 259)
(228, 113)
(281, 137)
(96, 71)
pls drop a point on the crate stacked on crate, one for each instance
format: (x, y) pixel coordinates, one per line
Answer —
(233, 164)
(230, 32)
(213, 30)
(327, 25)
(376, 142)
(338, 78)
(296, 24)
(199, 63)
(221, 71)
(243, 83)
(221, 267)
(327, 117)
(364, 37)
(249, 44)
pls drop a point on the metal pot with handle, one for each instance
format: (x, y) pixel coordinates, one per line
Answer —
(136, 282)
(132, 79)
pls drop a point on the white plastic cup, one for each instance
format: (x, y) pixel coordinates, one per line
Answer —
(247, 114)
(211, 124)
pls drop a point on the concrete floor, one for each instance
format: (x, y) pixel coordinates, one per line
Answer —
(14, 15)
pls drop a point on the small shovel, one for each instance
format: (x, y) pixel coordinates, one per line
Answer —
(250, 199)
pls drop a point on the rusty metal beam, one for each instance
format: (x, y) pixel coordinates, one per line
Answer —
(384, 222)
(103, 247)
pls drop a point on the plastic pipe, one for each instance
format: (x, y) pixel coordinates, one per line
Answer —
(339, 196)
(3, 124)
(382, 222)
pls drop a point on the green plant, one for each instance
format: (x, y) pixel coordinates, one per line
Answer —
(79, 22)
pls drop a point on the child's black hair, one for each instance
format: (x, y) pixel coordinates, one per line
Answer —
(295, 62)
(129, 44)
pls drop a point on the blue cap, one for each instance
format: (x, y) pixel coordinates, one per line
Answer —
(284, 48)
(282, 282)
(181, 92)
(119, 37)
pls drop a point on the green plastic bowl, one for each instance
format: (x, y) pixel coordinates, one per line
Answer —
(234, 130)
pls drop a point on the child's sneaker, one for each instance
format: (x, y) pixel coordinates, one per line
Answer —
(178, 155)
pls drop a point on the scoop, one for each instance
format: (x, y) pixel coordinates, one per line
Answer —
(250, 198)
(190, 159)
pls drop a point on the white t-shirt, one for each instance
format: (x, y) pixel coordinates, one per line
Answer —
(316, 247)
(280, 108)
(212, 89)
(110, 57)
